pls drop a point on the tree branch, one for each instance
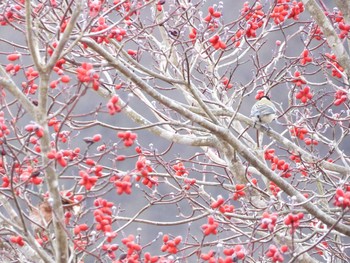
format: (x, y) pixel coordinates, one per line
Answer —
(223, 134)
(328, 30)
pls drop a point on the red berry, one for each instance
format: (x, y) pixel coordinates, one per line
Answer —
(65, 79)
(13, 57)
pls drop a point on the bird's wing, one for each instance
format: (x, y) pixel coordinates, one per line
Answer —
(263, 110)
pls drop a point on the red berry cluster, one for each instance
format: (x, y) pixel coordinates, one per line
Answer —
(301, 133)
(106, 34)
(79, 244)
(210, 256)
(235, 253)
(29, 86)
(254, 17)
(342, 199)
(11, 13)
(5, 181)
(304, 94)
(310, 141)
(73, 198)
(123, 184)
(293, 220)
(64, 25)
(148, 258)
(117, 33)
(29, 175)
(36, 129)
(217, 43)
(160, 5)
(211, 227)
(239, 191)
(170, 245)
(193, 34)
(316, 33)
(344, 30)
(113, 106)
(189, 182)
(279, 13)
(274, 188)
(212, 14)
(63, 136)
(63, 155)
(226, 82)
(259, 94)
(269, 154)
(132, 254)
(284, 10)
(217, 204)
(211, 18)
(180, 169)
(298, 79)
(95, 7)
(295, 158)
(4, 130)
(321, 248)
(130, 8)
(86, 74)
(127, 137)
(42, 239)
(237, 37)
(232, 255)
(110, 249)
(58, 68)
(277, 163)
(268, 221)
(11, 68)
(305, 58)
(223, 208)
(103, 217)
(101, 25)
(80, 228)
(143, 168)
(95, 138)
(86, 180)
(276, 254)
(340, 97)
(334, 65)
(17, 240)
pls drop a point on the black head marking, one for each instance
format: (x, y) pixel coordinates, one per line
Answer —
(265, 96)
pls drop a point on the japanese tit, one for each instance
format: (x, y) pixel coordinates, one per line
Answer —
(263, 111)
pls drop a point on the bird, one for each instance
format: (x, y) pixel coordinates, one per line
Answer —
(40, 216)
(263, 111)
